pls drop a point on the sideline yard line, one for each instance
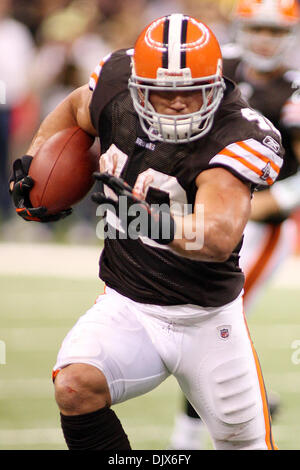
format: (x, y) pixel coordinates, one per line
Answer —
(81, 262)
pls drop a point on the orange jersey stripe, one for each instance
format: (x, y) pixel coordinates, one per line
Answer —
(259, 155)
(95, 77)
(229, 153)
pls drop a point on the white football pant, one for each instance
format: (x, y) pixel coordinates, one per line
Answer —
(208, 350)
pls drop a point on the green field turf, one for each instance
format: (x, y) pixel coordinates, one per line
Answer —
(36, 313)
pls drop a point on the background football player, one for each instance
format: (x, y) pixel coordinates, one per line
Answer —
(265, 30)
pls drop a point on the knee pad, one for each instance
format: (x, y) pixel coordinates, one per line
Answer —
(235, 392)
(250, 444)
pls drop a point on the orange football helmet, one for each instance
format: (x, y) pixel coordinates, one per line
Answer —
(273, 12)
(266, 53)
(176, 52)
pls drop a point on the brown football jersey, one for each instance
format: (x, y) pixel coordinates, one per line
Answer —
(241, 141)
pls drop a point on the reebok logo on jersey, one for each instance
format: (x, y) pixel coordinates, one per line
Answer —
(271, 143)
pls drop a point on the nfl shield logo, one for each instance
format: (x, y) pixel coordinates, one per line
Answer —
(224, 331)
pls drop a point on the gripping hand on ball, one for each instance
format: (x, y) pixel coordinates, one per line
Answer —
(159, 226)
(22, 184)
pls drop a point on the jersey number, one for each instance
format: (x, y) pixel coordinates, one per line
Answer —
(261, 120)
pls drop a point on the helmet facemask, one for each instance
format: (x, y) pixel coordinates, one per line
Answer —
(180, 128)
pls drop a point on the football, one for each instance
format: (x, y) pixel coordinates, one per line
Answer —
(62, 170)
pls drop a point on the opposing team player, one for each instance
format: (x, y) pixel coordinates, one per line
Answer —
(191, 152)
(265, 33)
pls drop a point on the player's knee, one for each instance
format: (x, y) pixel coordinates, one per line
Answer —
(238, 407)
(81, 388)
(235, 392)
(257, 443)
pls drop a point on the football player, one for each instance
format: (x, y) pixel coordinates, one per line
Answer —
(265, 33)
(183, 149)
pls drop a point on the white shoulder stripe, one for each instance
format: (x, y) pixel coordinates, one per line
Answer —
(265, 151)
(92, 84)
(253, 160)
(239, 168)
(95, 75)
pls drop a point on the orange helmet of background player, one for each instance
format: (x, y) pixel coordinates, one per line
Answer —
(176, 52)
(276, 20)
(281, 12)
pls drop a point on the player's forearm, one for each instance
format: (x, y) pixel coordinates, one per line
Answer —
(209, 240)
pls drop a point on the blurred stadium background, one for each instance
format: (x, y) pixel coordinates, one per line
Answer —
(48, 274)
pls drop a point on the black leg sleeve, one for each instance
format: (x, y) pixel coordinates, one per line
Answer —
(99, 430)
(189, 410)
